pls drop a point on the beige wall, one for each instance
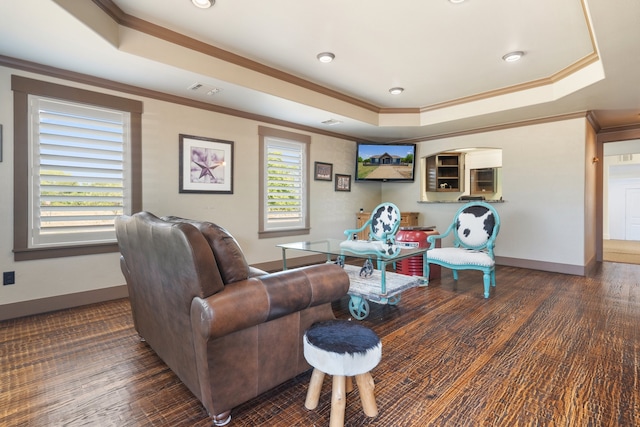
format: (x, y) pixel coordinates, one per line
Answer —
(331, 212)
(543, 185)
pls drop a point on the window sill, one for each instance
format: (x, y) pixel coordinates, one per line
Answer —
(283, 233)
(62, 251)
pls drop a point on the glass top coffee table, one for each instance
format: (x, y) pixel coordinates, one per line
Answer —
(366, 283)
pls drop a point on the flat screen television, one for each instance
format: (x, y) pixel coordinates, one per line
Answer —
(385, 162)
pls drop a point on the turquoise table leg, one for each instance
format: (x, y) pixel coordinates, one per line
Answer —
(284, 259)
(382, 266)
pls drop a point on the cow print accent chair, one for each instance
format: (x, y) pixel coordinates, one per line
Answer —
(382, 228)
(474, 228)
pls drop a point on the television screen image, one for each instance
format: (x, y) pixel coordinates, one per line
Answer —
(385, 162)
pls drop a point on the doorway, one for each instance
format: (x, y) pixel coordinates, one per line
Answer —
(621, 202)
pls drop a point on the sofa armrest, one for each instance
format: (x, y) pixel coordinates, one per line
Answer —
(250, 302)
(256, 272)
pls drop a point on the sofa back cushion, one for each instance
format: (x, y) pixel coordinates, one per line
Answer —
(229, 257)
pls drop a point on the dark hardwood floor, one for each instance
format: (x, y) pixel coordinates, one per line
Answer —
(544, 350)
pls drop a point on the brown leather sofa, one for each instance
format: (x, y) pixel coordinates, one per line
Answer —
(227, 330)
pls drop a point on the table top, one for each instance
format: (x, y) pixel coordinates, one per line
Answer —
(333, 247)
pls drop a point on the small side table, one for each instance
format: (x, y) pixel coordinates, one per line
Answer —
(343, 349)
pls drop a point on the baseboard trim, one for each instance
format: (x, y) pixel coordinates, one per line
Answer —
(61, 302)
(272, 266)
(554, 267)
(591, 266)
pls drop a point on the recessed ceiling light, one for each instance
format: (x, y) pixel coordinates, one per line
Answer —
(396, 90)
(326, 57)
(513, 56)
(456, 1)
(331, 122)
(203, 4)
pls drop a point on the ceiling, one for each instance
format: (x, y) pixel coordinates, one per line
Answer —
(580, 55)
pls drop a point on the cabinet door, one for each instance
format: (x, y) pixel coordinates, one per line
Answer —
(408, 219)
(432, 182)
(445, 172)
(483, 181)
(361, 218)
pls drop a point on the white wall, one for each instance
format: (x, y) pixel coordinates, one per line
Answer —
(543, 185)
(162, 122)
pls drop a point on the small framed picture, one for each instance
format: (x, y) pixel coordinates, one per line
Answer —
(343, 182)
(323, 171)
(206, 165)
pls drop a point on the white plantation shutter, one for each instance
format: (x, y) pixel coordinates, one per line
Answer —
(78, 163)
(285, 186)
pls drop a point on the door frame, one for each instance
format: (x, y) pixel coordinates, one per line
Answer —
(602, 137)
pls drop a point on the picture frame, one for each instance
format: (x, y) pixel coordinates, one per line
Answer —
(323, 171)
(206, 165)
(343, 182)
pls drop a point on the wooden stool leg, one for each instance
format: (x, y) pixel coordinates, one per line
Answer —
(338, 401)
(348, 384)
(313, 393)
(366, 386)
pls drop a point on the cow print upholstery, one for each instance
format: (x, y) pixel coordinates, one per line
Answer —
(475, 225)
(382, 227)
(384, 220)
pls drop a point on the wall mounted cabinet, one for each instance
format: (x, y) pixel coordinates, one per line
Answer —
(483, 181)
(445, 172)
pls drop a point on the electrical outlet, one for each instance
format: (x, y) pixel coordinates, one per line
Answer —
(8, 277)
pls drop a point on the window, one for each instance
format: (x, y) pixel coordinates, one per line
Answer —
(284, 188)
(76, 169)
(77, 172)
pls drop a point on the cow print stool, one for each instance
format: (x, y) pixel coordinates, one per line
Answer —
(343, 349)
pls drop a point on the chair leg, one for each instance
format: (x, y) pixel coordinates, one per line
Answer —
(455, 274)
(487, 282)
(367, 397)
(313, 392)
(425, 282)
(493, 278)
(348, 384)
(338, 402)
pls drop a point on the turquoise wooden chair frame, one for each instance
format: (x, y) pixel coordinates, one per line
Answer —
(383, 226)
(474, 228)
